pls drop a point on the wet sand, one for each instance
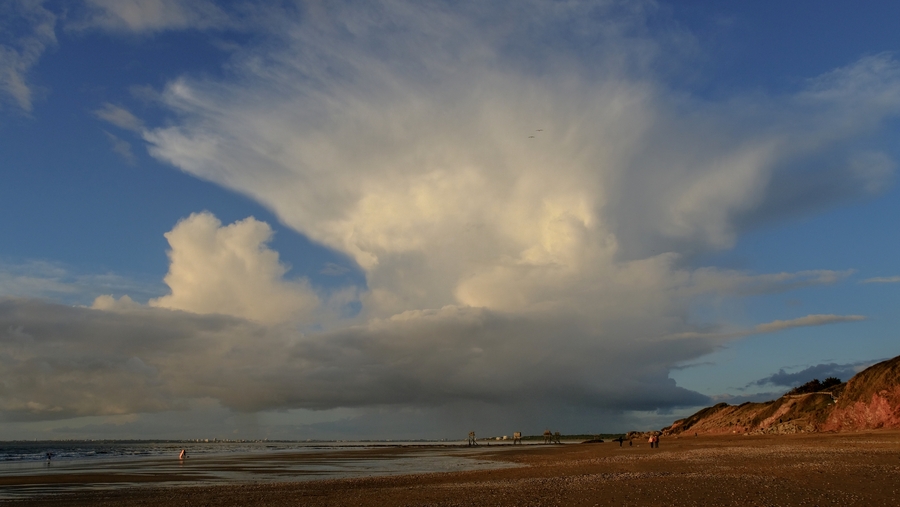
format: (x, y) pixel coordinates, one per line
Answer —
(826, 469)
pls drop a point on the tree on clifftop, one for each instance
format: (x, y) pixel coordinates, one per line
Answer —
(814, 386)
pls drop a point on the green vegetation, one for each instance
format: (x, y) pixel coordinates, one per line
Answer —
(814, 386)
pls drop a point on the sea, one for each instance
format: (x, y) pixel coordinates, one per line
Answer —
(26, 471)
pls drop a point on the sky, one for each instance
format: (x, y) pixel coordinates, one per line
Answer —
(405, 219)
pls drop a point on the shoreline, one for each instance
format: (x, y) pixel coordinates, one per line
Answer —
(25, 480)
(839, 468)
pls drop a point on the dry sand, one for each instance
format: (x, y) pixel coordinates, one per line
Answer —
(820, 469)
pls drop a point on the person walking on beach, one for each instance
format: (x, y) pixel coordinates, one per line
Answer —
(183, 454)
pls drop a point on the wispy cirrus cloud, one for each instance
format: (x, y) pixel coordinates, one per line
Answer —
(59, 282)
(768, 327)
(122, 148)
(120, 117)
(720, 281)
(27, 29)
(147, 16)
(882, 279)
(809, 320)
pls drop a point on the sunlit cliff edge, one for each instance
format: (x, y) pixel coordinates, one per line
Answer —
(869, 400)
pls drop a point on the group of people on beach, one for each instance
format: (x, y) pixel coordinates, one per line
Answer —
(654, 441)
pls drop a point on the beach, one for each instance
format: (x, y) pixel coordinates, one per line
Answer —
(808, 469)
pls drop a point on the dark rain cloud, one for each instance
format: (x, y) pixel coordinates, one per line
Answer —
(59, 362)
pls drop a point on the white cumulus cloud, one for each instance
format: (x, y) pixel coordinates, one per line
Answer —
(230, 270)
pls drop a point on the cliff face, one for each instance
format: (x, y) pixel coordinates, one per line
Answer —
(871, 399)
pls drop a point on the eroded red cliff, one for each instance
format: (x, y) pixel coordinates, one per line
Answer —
(870, 400)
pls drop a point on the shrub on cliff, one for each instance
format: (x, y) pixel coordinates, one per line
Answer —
(814, 386)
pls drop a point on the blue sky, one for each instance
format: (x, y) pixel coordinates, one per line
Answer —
(406, 219)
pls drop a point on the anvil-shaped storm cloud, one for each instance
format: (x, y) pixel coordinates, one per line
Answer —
(526, 209)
